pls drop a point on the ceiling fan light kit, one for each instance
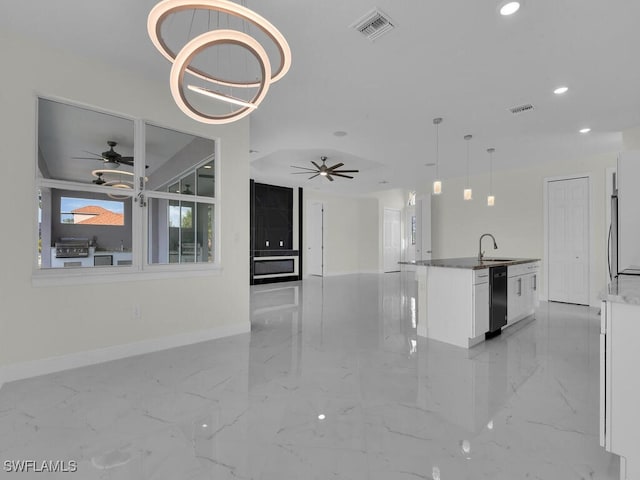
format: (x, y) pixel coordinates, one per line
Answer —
(182, 60)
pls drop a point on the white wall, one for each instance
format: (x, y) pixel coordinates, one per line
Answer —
(47, 321)
(631, 138)
(351, 233)
(517, 219)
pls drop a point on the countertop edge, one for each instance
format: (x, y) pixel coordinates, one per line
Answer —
(468, 263)
(624, 289)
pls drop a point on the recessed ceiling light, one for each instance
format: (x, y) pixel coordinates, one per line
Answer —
(340, 133)
(585, 130)
(509, 8)
(322, 416)
(561, 90)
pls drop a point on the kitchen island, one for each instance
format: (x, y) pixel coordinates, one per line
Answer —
(619, 379)
(454, 296)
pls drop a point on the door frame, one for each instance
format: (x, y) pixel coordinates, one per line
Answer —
(308, 237)
(545, 263)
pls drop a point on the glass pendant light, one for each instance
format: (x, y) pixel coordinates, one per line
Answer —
(491, 200)
(467, 190)
(437, 183)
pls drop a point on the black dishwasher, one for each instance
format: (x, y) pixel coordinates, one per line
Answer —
(497, 300)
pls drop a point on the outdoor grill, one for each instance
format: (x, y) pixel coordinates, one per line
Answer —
(72, 247)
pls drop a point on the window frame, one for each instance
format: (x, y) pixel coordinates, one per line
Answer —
(140, 269)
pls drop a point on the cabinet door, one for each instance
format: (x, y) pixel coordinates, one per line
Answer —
(480, 309)
(514, 297)
(527, 294)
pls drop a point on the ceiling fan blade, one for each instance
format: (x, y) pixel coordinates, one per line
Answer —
(303, 173)
(126, 160)
(314, 176)
(315, 165)
(337, 165)
(341, 175)
(345, 171)
(92, 153)
(88, 158)
(304, 168)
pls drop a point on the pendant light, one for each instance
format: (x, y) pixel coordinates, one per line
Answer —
(437, 183)
(491, 200)
(467, 190)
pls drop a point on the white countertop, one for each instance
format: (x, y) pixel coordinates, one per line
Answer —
(624, 289)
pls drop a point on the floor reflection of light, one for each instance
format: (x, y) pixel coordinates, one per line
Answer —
(413, 312)
(414, 347)
(435, 473)
(465, 446)
(490, 425)
(204, 425)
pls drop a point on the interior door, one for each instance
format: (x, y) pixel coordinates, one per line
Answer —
(315, 239)
(568, 240)
(391, 240)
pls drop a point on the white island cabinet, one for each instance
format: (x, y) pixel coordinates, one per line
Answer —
(522, 291)
(619, 376)
(454, 297)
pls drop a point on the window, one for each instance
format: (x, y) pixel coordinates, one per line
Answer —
(91, 212)
(104, 202)
(181, 200)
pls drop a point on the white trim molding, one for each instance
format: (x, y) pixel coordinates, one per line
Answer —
(34, 368)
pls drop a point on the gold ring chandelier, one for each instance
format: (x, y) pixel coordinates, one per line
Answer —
(182, 60)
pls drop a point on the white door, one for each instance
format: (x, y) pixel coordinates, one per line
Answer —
(391, 240)
(568, 240)
(315, 239)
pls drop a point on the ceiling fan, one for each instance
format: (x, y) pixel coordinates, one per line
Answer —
(323, 170)
(99, 180)
(110, 156)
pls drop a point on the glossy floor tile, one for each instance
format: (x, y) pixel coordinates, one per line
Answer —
(332, 382)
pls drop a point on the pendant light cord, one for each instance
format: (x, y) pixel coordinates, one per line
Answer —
(437, 151)
(468, 139)
(490, 171)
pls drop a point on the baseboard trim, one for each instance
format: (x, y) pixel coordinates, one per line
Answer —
(44, 366)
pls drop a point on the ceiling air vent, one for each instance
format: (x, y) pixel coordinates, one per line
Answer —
(527, 107)
(374, 24)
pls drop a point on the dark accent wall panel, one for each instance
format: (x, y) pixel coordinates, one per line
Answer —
(273, 217)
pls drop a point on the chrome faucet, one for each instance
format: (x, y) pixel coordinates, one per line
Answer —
(480, 252)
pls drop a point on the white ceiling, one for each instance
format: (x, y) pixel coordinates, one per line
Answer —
(457, 59)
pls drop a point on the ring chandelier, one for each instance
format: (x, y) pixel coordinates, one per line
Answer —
(182, 60)
(118, 182)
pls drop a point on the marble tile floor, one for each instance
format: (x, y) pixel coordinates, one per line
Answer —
(331, 383)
